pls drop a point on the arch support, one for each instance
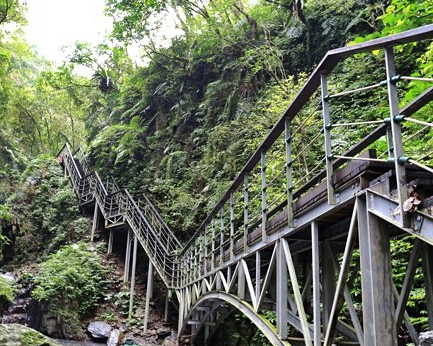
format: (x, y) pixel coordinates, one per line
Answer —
(268, 330)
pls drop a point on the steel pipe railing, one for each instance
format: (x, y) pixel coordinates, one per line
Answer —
(180, 267)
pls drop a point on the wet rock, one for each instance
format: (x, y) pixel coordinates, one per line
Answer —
(114, 338)
(426, 338)
(32, 181)
(18, 335)
(8, 277)
(169, 342)
(23, 311)
(163, 333)
(99, 330)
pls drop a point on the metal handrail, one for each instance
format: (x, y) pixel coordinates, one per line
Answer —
(330, 60)
(152, 231)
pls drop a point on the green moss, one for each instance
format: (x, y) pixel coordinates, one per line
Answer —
(18, 335)
(7, 291)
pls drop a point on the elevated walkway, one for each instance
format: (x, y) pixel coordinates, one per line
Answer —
(283, 238)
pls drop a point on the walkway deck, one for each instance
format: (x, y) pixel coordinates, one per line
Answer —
(283, 236)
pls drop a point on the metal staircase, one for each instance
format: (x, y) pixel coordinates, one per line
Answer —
(282, 237)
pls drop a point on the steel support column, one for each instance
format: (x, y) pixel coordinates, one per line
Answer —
(376, 280)
(110, 242)
(328, 284)
(282, 288)
(95, 222)
(131, 290)
(427, 261)
(397, 144)
(317, 334)
(149, 289)
(127, 257)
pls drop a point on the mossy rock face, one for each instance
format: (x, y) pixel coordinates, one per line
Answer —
(18, 335)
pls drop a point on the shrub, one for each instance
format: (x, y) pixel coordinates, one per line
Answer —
(7, 292)
(71, 280)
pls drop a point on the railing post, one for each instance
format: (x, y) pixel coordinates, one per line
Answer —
(264, 195)
(206, 253)
(213, 245)
(200, 256)
(222, 236)
(289, 174)
(196, 270)
(328, 145)
(246, 220)
(232, 224)
(397, 144)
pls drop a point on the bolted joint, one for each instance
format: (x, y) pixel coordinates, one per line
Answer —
(326, 98)
(330, 157)
(387, 121)
(328, 126)
(288, 140)
(289, 164)
(402, 160)
(399, 118)
(383, 83)
(264, 189)
(290, 189)
(395, 79)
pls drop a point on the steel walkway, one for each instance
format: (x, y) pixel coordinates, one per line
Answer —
(283, 236)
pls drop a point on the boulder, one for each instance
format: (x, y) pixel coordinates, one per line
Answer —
(168, 342)
(163, 332)
(114, 338)
(99, 330)
(18, 335)
(426, 338)
(8, 277)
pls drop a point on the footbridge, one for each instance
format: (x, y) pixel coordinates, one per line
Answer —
(312, 214)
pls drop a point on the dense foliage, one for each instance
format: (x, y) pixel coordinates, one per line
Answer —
(38, 212)
(181, 126)
(73, 290)
(7, 292)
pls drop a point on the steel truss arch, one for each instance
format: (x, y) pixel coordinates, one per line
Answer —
(245, 308)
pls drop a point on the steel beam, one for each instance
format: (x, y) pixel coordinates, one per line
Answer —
(95, 222)
(315, 246)
(296, 291)
(246, 309)
(281, 286)
(110, 242)
(408, 282)
(148, 295)
(338, 299)
(328, 283)
(376, 280)
(427, 262)
(127, 257)
(132, 287)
